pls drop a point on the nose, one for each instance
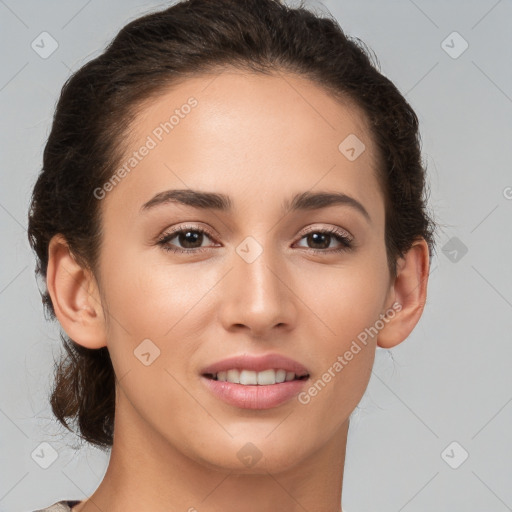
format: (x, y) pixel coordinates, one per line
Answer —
(257, 296)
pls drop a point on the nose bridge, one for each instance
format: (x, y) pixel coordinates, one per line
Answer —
(257, 295)
(254, 264)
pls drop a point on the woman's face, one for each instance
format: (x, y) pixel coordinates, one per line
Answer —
(253, 278)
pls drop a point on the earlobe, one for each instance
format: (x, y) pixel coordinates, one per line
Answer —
(75, 297)
(410, 292)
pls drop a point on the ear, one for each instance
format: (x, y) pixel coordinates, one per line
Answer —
(75, 296)
(409, 294)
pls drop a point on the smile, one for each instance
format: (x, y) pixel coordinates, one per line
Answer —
(252, 378)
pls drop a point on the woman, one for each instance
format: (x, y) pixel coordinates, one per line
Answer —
(230, 218)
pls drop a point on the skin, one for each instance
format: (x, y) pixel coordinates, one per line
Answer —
(259, 139)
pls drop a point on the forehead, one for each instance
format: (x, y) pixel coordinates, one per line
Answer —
(250, 135)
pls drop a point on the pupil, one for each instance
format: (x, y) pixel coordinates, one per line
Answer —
(316, 236)
(193, 236)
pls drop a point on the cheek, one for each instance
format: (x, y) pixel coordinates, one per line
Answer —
(343, 358)
(149, 298)
(345, 300)
(348, 304)
(166, 304)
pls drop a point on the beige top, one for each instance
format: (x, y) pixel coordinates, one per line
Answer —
(65, 506)
(60, 506)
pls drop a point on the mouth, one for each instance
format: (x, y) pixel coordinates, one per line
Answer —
(253, 378)
(249, 381)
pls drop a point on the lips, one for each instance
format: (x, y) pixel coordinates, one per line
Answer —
(256, 364)
(263, 386)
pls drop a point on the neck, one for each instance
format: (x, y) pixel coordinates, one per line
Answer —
(157, 475)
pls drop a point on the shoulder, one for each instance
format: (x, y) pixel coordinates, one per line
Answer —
(60, 506)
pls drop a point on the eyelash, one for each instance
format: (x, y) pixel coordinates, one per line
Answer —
(163, 241)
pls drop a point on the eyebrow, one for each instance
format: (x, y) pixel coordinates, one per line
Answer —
(222, 202)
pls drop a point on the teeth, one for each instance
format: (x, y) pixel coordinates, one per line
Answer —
(233, 376)
(280, 375)
(266, 377)
(247, 377)
(290, 375)
(252, 378)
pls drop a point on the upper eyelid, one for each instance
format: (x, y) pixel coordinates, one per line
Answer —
(330, 229)
(185, 227)
(310, 229)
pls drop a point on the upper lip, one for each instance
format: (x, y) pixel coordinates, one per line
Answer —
(257, 364)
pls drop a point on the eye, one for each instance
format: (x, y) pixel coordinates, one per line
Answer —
(322, 238)
(190, 237)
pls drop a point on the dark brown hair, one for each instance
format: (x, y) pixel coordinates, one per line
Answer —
(91, 128)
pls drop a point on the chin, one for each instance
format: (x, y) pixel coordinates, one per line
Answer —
(260, 453)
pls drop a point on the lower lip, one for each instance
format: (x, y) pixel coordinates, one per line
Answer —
(254, 397)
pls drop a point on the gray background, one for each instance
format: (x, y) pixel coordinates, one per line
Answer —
(450, 381)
